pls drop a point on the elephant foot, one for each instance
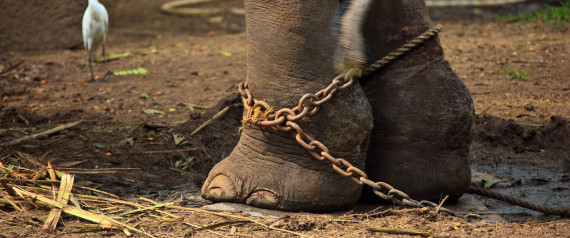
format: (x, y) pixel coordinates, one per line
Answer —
(421, 134)
(422, 119)
(269, 169)
(422, 111)
(291, 50)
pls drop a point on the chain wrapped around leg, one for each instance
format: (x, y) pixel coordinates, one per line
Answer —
(260, 113)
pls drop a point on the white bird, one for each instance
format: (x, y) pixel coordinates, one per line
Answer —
(95, 23)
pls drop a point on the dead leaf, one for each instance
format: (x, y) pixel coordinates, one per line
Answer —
(152, 111)
(216, 19)
(100, 146)
(129, 141)
(191, 106)
(177, 138)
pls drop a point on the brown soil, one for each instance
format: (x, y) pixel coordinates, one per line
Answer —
(522, 131)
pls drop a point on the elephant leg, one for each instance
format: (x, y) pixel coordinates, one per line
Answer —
(422, 111)
(290, 53)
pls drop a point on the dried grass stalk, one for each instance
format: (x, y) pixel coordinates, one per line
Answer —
(62, 197)
(41, 134)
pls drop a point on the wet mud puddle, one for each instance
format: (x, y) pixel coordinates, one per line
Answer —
(543, 183)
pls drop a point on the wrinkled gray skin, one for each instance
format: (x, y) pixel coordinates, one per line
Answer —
(422, 112)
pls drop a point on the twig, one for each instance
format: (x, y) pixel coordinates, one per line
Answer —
(3, 201)
(529, 124)
(209, 121)
(41, 134)
(161, 223)
(8, 189)
(375, 214)
(213, 232)
(169, 151)
(52, 173)
(29, 158)
(204, 149)
(146, 209)
(47, 182)
(91, 172)
(148, 200)
(486, 109)
(238, 217)
(9, 201)
(107, 200)
(11, 67)
(99, 170)
(397, 231)
(441, 203)
(24, 119)
(216, 225)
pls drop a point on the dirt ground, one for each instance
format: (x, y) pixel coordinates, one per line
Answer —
(522, 133)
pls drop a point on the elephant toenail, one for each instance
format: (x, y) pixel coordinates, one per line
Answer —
(263, 198)
(221, 188)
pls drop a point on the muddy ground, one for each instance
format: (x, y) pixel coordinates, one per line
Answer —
(522, 133)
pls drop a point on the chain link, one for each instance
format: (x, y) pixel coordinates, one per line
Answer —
(260, 113)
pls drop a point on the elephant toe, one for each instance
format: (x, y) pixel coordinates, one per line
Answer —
(263, 198)
(221, 188)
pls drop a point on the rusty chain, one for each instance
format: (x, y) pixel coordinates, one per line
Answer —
(310, 103)
(260, 113)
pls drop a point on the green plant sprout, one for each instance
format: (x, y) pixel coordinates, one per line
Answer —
(513, 73)
(552, 15)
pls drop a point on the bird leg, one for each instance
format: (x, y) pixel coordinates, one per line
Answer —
(109, 72)
(90, 68)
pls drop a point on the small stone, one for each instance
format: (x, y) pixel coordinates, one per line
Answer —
(552, 226)
(529, 107)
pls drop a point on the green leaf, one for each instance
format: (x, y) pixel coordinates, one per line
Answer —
(9, 167)
(143, 96)
(100, 146)
(490, 182)
(131, 71)
(130, 180)
(152, 111)
(150, 51)
(189, 159)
